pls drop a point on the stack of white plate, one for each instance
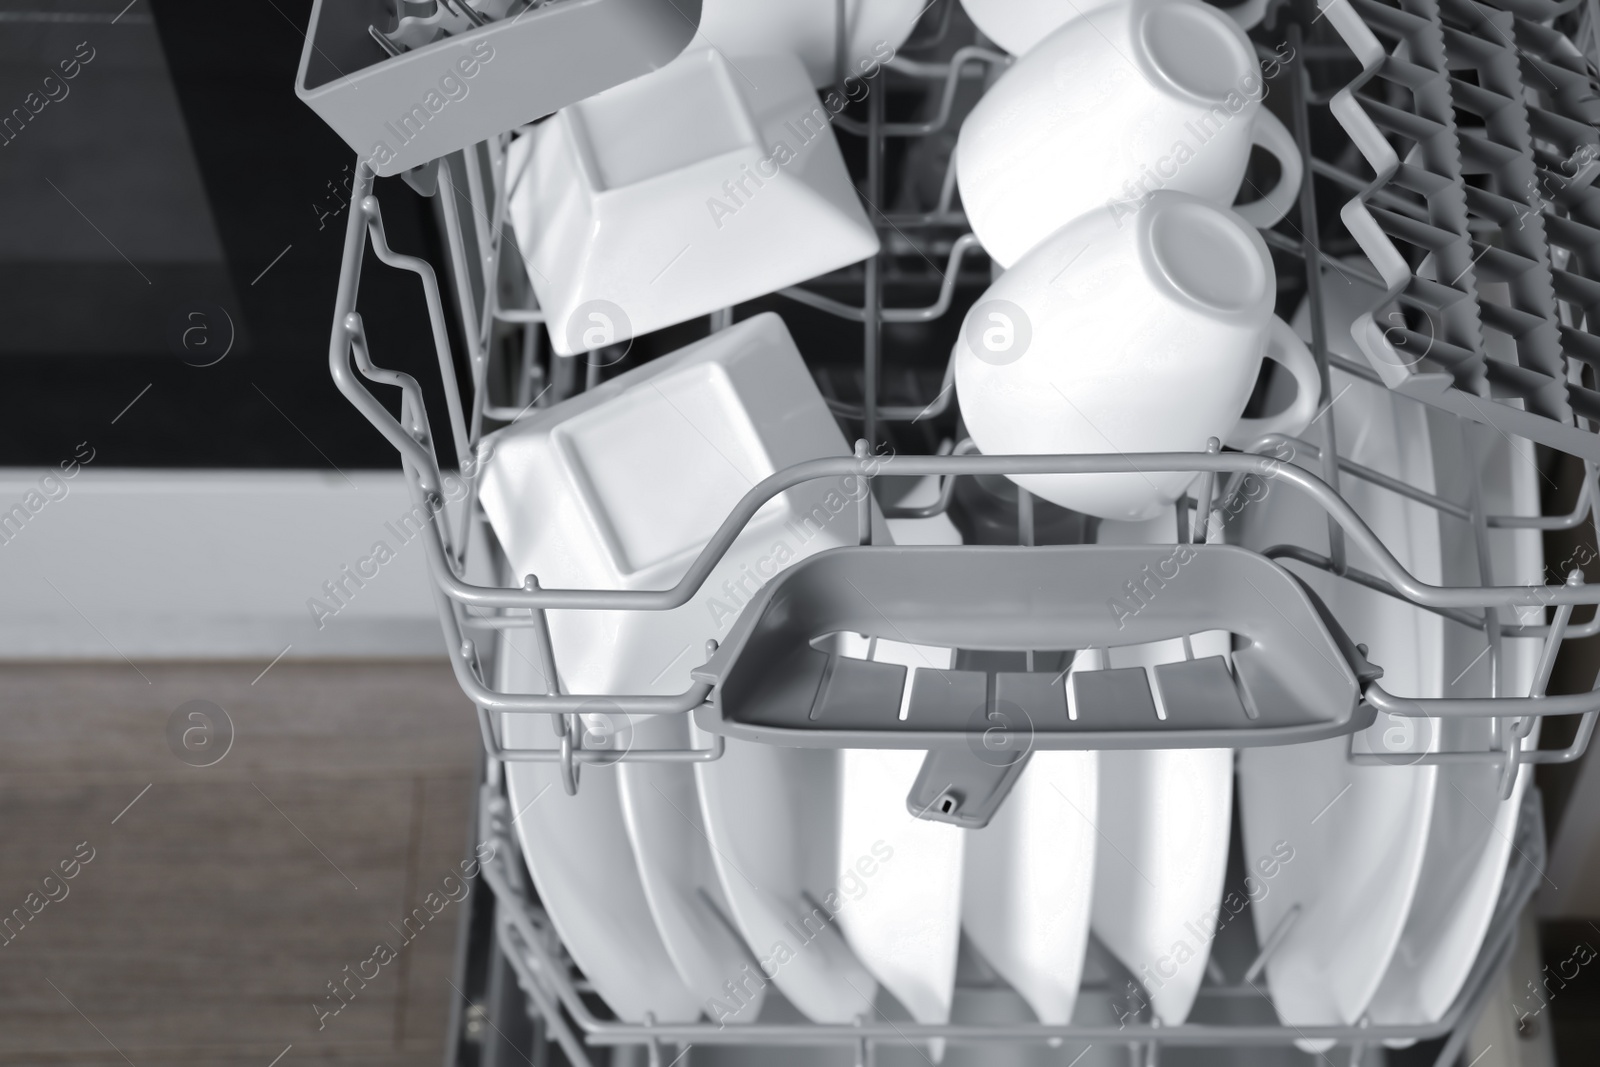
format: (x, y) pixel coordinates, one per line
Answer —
(1395, 869)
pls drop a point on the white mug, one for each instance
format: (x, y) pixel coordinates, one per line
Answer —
(1134, 96)
(1144, 336)
(1018, 25)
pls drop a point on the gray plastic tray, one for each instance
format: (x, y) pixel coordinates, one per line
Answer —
(1296, 677)
(402, 111)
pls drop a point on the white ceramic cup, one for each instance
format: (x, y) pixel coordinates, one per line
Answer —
(1132, 97)
(1018, 25)
(1144, 336)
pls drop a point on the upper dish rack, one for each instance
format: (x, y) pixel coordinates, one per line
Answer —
(494, 307)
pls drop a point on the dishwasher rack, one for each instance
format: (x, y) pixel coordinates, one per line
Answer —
(501, 343)
(529, 944)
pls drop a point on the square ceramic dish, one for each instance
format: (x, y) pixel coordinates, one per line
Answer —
(621, 486)
(710, 182)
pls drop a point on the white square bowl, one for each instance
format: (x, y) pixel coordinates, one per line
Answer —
(620, 487)
(704, 184)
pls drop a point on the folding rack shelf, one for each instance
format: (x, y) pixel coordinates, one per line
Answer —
(1489, 259)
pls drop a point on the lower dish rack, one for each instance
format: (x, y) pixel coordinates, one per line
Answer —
(1231, 1006)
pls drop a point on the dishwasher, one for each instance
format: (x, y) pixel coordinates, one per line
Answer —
(850, 694)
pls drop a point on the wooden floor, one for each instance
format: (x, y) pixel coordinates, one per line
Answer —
(220, 901)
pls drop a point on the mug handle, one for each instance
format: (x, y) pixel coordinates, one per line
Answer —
(1285, 347)
(1270, 133)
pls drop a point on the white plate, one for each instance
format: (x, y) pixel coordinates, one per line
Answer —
(809, 29)
(1469, 842)
(583, 868)
(906, 925)
(1158, 892)
(1355, 835)
(1029, 874)
(619, 488)
(661, 809)
(706, 183)
(1165, 817)
(773, 817)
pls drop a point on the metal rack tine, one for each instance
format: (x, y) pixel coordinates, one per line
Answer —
(864, 501)
(1200, 525)
(1273, 943)
(1521, 728)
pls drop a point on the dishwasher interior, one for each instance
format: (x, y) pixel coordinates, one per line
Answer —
(1301, 666)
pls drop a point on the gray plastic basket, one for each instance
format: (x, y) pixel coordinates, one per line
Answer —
(1296, 676)
(399, 112)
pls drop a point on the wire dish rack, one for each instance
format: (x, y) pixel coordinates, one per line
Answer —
(1484, 236)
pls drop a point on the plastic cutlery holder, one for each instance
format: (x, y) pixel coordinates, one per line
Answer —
(1295, 674)
(399, 112)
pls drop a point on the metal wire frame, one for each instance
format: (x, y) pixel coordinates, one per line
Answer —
(474, 258)
(1505, 747)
